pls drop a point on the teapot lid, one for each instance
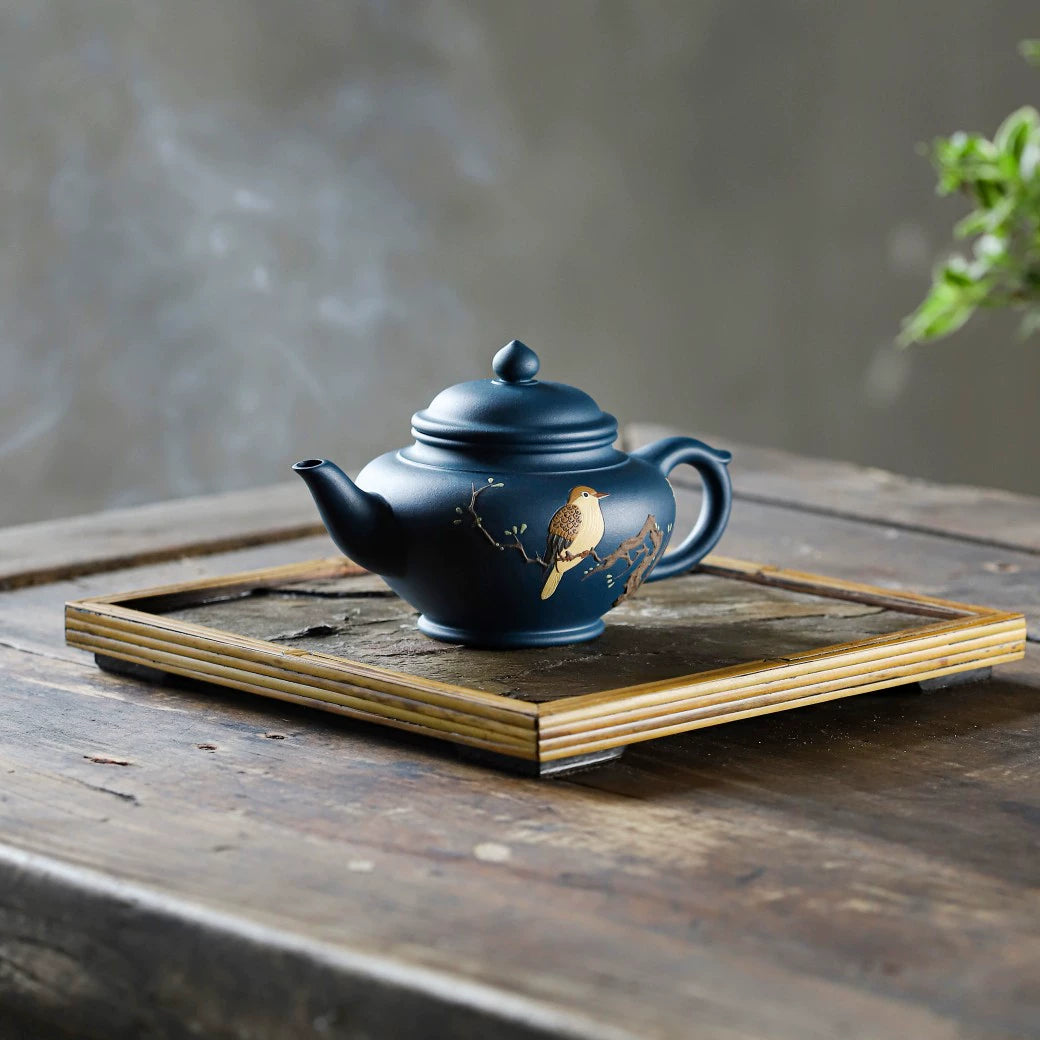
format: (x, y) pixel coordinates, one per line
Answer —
(514, 412)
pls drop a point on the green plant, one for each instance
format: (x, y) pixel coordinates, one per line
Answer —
(1002, 270)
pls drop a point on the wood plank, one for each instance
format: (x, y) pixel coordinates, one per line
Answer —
(1000, 519)
(32, 618)
(886, 556)
(863, 869)
(64, 548)
(42, 899)
(54, 550)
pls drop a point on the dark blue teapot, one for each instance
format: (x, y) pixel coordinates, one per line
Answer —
(513, 520)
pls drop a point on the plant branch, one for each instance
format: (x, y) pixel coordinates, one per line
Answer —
(1001, 177)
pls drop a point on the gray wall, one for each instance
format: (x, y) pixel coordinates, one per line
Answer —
(239, 232)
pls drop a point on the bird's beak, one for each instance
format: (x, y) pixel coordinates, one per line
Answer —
(601, 494)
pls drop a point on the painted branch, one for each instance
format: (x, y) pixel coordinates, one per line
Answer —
(517, 544)
(478, 523)
(635, 578)
(627, 547)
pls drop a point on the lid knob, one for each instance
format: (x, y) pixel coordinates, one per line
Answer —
(516, 363)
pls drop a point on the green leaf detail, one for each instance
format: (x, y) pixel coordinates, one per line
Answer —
(1030, 50)
(1001, 178)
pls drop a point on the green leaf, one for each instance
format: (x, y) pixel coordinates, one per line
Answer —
(1030, 50)
(957, 273)
(1002, 177)
(1029, 160)
(944, 310)
(991, 249)
(980, 221)
(989, 191)
(938, 324)
(1016, 131)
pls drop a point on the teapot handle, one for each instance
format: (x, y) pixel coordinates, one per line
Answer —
(710, 463)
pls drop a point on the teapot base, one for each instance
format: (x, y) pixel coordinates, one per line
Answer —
(511, 640)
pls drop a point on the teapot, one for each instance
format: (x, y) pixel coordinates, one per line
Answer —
(513, 520)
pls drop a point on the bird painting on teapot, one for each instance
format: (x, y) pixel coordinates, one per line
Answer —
(574, 531)
(573, 535)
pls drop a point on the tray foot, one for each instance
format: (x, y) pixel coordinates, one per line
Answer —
(557, 767)
(117, 666)
(956, 679)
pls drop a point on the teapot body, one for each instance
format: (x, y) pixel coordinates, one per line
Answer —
(480, 557)
(512, 520)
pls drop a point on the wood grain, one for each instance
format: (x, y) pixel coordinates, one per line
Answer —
(65, 548)
(867, 868)
(839, 547)
(879, 555)
(31, 554)
(988, 516)
(768, 880)
(320, 989)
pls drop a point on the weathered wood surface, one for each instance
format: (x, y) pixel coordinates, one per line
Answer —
(57, 549)
(1001, 519)
(838, 546)
(864, 868)
(892, 557)
(864, 858)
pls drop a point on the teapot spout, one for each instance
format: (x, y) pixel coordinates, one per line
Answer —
(362, 525)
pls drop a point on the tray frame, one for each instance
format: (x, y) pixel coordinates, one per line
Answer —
(553, 736)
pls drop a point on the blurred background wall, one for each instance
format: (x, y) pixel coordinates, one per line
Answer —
(240, 232)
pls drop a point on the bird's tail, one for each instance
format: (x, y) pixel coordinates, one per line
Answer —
(551, 582)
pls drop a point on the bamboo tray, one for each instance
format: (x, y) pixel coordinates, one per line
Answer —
(728, 641)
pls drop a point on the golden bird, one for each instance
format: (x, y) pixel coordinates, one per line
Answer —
(574, 530)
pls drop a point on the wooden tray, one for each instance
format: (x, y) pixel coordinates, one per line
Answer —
(728, 641)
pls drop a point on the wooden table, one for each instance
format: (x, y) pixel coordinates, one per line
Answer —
(190, 861)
